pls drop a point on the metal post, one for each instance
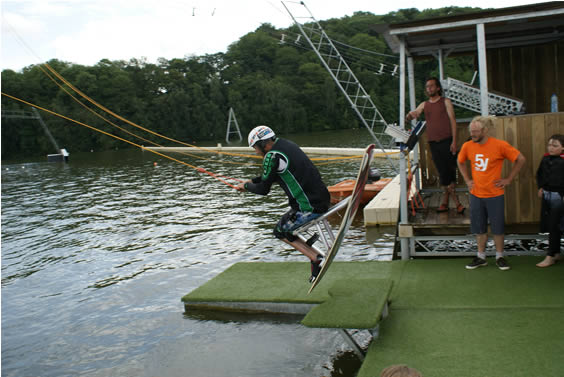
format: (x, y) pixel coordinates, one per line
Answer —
(345, 79)
(402, 164)
(354, 345)
(413, 105)
(441, 65)
(403, 206)
(482, 67)
(402, 84)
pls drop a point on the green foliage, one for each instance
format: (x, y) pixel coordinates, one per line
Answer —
(187, 99)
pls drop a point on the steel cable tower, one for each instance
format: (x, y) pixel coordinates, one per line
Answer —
(344, 77)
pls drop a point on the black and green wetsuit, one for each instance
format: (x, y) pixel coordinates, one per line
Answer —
(288, 165)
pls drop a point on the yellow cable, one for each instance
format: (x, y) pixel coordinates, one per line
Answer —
(121, 128)
(119, 138)
(134, 124)
(155, 133)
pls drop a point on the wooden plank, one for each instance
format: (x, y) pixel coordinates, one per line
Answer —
(545, 84)
(539, 142)
(512, 205)
(561, 117)
(431, 218)
(551, 124)
(517, 69)
(498, 129)
(558, 73)
(384, 208)
(462, 136)
(523, 183)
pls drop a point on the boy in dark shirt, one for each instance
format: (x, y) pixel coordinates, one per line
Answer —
(550, 180)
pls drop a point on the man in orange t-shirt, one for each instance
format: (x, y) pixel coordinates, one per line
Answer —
(486, 155)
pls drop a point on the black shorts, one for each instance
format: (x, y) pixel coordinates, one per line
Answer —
(484, 209)
(445, 162)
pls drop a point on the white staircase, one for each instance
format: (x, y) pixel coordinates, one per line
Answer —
(468, 97)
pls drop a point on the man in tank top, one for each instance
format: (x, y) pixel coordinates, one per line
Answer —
(441, 135)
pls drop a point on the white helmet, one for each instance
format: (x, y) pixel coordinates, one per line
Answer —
(260, 133)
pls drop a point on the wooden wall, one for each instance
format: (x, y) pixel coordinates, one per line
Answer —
(530, 73)
(529, 134)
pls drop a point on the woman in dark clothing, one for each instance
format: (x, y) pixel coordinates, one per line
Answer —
(550, 180)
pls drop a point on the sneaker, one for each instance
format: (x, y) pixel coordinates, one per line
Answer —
(502, 264)
(476, 262)
(316, 268)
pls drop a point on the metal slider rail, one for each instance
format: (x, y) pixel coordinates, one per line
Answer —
(321, 224)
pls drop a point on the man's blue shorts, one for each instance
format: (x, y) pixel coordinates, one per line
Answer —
(482, 209)
(292, 220)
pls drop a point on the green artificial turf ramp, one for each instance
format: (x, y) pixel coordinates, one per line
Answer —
(284, 281)
(353, 304)
(470, 343)
(446, 283)
(445, 320)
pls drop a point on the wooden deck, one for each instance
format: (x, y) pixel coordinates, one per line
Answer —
(427, 221)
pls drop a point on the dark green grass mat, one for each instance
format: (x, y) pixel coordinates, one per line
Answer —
(471, 343)
(285, 281)
(354, 304)
(446, 283)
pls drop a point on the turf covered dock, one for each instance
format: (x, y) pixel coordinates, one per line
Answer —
(443, 320)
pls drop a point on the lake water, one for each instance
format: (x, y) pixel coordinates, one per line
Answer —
(97, 253)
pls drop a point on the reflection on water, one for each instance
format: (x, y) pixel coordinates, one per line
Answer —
(96, 255)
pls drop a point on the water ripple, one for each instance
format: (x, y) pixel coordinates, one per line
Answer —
(97, 253)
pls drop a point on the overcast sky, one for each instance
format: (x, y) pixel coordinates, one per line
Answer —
(86, 31)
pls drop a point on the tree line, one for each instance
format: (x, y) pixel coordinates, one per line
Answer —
(282, 85)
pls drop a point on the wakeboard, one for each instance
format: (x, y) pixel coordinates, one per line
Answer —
(350, 212)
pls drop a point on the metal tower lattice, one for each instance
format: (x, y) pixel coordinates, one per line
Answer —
(468, 97)
(237, 131)
(341, 73)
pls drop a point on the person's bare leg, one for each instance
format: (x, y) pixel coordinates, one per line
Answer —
(481, 240)
(303, 248)
(498, 241)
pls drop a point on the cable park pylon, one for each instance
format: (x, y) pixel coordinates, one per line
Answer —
(341, 73)
(236, 131)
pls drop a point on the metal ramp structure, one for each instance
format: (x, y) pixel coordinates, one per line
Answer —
(236, 130)
(341, 73)
(321, 228)
(468, 97)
